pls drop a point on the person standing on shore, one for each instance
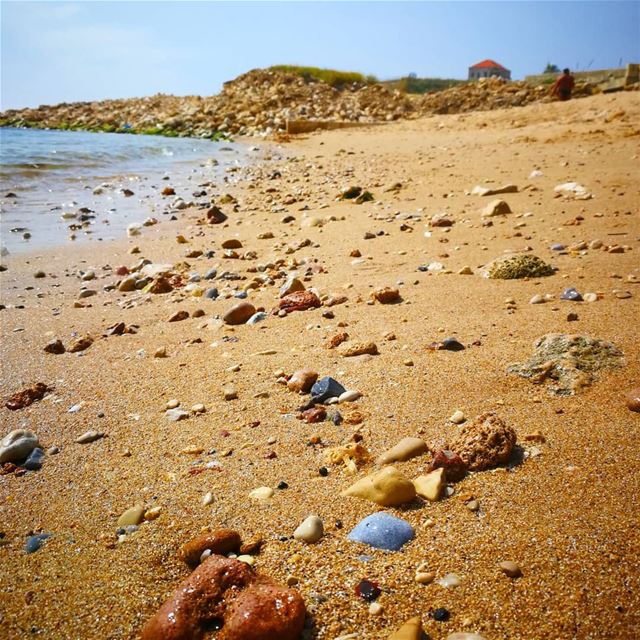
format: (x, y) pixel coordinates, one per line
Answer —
(563, 86)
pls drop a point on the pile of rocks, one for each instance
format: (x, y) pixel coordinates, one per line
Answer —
(259, 101)
(487, 94)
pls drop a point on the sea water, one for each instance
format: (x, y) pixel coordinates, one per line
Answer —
(48, 180)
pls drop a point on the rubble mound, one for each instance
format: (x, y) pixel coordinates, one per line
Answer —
(568, 362)
(259, 101)
(487, 94)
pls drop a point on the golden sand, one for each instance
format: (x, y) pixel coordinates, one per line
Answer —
(568, 517)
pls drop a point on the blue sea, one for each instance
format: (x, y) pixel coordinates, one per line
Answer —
(49, 179)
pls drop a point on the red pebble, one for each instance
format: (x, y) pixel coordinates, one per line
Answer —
(454, 465)
(315, 414)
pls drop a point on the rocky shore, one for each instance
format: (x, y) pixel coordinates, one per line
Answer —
(261, 102)
(383, 382)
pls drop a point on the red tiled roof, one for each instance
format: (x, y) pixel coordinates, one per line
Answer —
(486, 64)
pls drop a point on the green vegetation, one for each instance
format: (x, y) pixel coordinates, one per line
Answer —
(411, 84)
(337, 79)
(551, 68)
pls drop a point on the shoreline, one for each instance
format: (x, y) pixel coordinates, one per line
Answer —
(564, 512)
(125, 185)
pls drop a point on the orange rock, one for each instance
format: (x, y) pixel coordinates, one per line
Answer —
(220, 542)
(247, 606)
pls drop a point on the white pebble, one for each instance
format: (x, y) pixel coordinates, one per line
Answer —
(450, 581)
(457, 417)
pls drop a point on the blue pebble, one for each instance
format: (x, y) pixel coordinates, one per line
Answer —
(194, 277)
(240, 294)
(211, 274)
(34, 461)
(558, 247)
(571, 294)
(259, 316)
(35, 542)
(326, 388)
(382, 531)
(212, 293)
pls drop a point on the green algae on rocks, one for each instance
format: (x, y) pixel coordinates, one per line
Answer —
(518, 266)
(568, 362)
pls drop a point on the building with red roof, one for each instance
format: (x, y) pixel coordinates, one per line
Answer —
(488, 69)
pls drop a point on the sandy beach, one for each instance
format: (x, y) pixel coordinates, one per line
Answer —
(564, 508)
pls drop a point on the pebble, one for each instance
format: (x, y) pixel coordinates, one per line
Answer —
(326, 388)
(496, 208)
(424, 575)
(211, 294)
(590, 297)
(457, 417)
(358, 349)
(172, 404)
(465, 271)
(571, 294)
(310, 530)
(261, 493)
(198, 408)
(510, 569)
(387, 487)
(375, 609)
(537, 299)
(382, 531)
(633, 399)
(430, 486)
(406, 449)
(220, 541)
(35, 542)
(34, 461)
(176, 414)
(89, 436)
(386, 295)
(160, 352)
(17, 445)
(410, 630)
(349, 396)
(132, 516)
(302, 380)
(258, 316)
(473, 505)
(441, 614)
(450, 581)
(230, 392)
(207, 499)
(465, 635)
(55, 346)
(152, 514)
(291, 284)
(239, 313)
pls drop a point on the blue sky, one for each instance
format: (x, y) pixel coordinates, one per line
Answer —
(67, 51)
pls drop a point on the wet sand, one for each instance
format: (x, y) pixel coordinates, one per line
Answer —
(568, 516)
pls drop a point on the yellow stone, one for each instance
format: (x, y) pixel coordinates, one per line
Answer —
(410, 630)
(430, 486)
(388, 488)
(131, 516)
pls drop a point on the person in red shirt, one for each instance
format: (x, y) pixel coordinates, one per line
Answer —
(563, 85)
